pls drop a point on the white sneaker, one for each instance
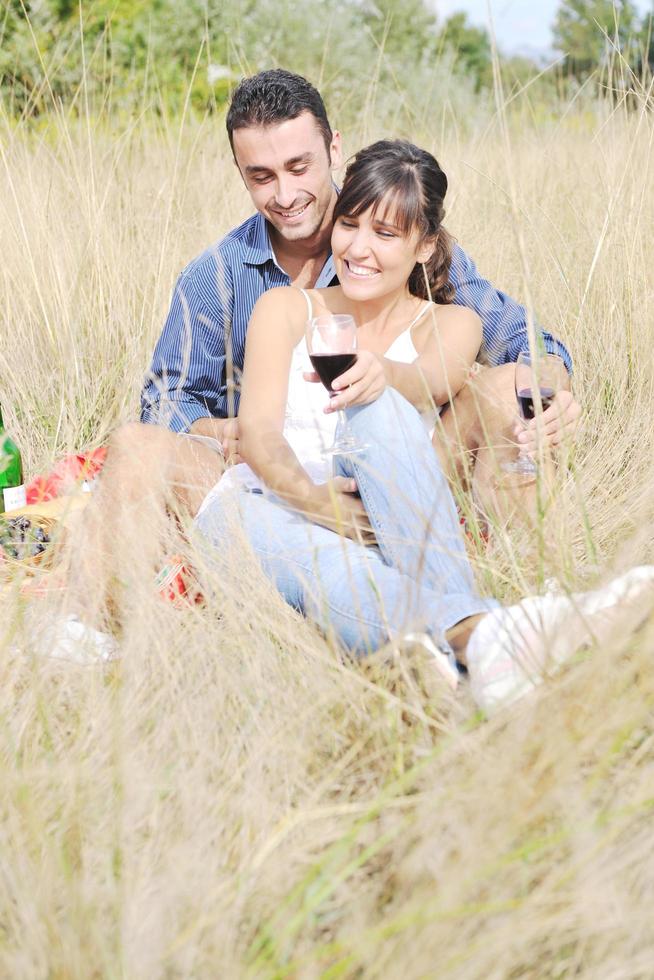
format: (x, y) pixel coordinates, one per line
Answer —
(514, 648)
(68, 638)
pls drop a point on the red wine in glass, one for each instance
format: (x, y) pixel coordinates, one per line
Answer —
(526, 401)
(328, 367)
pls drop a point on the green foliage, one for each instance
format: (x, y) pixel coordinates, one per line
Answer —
(590, 33)
(471, 45)
(127, 54)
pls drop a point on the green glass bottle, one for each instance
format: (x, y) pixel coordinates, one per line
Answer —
(12, 488)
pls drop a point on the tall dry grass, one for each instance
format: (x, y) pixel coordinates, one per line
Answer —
(230, 799)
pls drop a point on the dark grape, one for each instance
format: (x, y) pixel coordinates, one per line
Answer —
(20, 538)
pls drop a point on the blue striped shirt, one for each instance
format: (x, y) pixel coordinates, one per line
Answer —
(197, 362)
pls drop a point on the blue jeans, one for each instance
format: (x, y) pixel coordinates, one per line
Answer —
(417, 578)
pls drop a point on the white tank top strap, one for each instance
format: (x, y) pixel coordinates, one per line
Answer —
(419, 315)
(308, 302)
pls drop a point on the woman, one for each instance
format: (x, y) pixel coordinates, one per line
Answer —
(392, 258)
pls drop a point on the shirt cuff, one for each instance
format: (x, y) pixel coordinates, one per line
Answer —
(176, 414)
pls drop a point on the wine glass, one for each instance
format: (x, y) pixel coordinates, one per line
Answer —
(332, 346)
(549, 375)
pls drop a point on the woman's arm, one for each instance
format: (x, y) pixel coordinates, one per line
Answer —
(272, 334)
(447, 341)
(275, 328)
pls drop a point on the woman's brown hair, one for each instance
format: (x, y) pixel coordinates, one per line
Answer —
(411, 184)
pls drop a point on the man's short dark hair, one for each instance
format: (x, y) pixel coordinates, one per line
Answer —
(272, 97)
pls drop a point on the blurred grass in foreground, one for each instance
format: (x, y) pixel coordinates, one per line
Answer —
(229, 799)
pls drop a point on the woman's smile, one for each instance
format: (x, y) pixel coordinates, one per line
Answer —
(360, 271)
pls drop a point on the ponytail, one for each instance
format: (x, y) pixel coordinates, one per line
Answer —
(431, 279)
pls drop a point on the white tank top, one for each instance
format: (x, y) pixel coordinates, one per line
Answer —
(307, 429)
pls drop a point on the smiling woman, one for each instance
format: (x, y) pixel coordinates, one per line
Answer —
(392, 256)
(390, 250)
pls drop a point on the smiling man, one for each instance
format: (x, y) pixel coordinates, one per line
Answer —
(285, 151)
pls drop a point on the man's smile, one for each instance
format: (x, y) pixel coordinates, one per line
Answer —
(294, 213)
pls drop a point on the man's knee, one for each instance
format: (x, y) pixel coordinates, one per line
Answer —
(136, 440)
(497, 386)
(486, 407)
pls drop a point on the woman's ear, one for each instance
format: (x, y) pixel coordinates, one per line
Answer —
(426, 249)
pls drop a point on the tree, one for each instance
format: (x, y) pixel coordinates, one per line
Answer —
(405, 28)
(646, 43)
(588, 32)
(470, 45)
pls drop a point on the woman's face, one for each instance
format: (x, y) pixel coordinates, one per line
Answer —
(373, 256)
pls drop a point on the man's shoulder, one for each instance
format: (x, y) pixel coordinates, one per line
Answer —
(226, 253)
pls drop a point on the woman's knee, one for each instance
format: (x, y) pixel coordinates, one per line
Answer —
(498, 384)
(384, 413)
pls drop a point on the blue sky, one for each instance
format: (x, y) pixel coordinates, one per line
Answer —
(520, 25)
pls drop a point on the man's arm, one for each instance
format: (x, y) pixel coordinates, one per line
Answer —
(186, 379)
(504, 322)
(504, 325)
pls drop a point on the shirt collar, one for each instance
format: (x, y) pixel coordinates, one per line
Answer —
(259, 250)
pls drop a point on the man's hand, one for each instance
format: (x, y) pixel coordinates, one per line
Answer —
(334, 505)
(225, 431)
(363, 383)
(230, 442)
(558, 424)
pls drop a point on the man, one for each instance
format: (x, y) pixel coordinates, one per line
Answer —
(285, 151)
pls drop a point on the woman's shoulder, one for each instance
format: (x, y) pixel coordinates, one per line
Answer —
(326, 299)
(278, 317)
(279, 297)
(448, 319)
(448, 315)
(453, 312)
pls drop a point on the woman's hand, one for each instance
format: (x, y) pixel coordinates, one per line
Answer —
(558, 424)
(361, 384)
(334, 505)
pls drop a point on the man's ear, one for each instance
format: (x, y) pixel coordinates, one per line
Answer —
(335, 150)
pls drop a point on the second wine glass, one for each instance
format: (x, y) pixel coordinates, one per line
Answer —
(549, 375)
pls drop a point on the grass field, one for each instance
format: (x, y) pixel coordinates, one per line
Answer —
(230, 800)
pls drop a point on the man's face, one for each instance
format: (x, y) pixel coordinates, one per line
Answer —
(287, 170)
